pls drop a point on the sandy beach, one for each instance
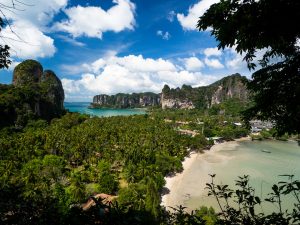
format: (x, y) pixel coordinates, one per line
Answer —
(191, 182)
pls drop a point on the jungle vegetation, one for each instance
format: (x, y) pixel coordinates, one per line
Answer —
(47, 168)
(50, 169)
(268, 27)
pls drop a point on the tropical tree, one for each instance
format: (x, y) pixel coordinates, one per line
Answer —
(268, 26)
(106, 179)
(4, 51)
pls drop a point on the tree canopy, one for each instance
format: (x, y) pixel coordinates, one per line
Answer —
(4, 51)
(269, 26)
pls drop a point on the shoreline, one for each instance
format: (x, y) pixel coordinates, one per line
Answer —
(175, 196)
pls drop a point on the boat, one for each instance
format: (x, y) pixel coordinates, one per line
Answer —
(266, 151)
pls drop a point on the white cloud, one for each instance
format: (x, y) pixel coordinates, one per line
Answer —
(213, 63)
(235, 60)
(72, 41)
(236, 63)
(212, 52)
(140, 64)
(164, 35)
(189, 21)
(93, 21)
(193, 64)
(171, 16)
(129, 74)
(38, 12)
(27, 38)
(32, 42)
(32, 21)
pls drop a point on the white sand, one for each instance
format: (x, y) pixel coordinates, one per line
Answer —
(173, 183)
(192, 181)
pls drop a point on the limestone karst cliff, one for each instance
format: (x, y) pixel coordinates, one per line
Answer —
(135, 100)
(233, 86)
(186, 97)
(34, 93)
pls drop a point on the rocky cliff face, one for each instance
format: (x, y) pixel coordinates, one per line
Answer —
(53, 93)
(27, 72)
(175, 103)
(176, 98)
(34, 94)
(180, 98)
(233, 86)
(126, 100)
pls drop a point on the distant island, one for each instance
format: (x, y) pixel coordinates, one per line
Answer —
(186, 97)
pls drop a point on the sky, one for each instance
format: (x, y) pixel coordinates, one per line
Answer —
(117, 46)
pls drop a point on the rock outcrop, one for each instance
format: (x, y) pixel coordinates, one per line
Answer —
(134, 100)
(186, 97)
(50, 101)
(54, 91)
(27, 72)
(176, 103)
(34, 93)
(233, 86)
(176, 98)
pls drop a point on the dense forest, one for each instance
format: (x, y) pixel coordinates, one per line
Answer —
(52, 173)
(75, 157)
(66, 168)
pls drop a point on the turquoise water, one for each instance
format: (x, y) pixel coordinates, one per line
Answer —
(233, 159)
(82, 107)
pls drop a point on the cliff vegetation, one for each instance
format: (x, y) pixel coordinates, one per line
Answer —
(186, 97)
(34, 94)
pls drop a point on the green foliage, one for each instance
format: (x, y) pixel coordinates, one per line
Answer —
(249, 26)
(180, 217)
(76, 156)
(207, 214)
(283, 137)
(71, 158)
(270, 134)
(20, 104)
(76, 191)
(206, 123)
(246, 209)
(37, 176)
(33, 95)
(52, 169)
(106, 179)
(16, 104)
(27, 73)
(36, 124)
(266, 134)
(166, 89)
(4, 51)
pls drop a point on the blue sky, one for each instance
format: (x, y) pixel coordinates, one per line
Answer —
(112, 46)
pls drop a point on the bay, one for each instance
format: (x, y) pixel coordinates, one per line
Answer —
(82, 107)
(263, 161)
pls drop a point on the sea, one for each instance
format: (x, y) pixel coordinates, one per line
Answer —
(265, 162)
(83, 108)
